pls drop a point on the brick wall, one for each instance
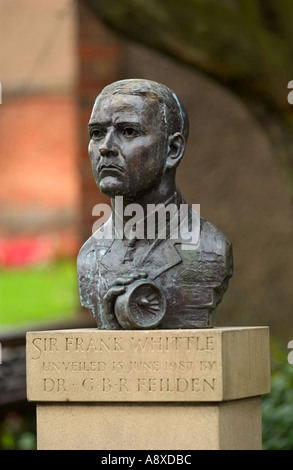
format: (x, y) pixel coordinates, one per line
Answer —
(39, 178)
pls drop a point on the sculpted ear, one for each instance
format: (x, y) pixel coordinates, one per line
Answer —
(176, 148)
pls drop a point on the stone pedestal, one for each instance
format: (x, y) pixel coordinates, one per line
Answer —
(154, 389)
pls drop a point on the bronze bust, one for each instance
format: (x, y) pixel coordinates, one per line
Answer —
(139, 272)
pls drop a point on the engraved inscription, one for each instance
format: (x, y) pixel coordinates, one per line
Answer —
(74, 344)
(179, 384)
(73, 366)
(195, 343)
(102, 365)
(56, 385)
(105, 384)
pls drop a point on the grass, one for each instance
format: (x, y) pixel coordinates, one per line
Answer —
(38, 294)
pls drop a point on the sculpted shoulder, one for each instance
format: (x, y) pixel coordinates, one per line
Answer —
(96, 241)
(212, 239)
(88, 268)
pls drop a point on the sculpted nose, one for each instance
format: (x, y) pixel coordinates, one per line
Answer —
(108, 146)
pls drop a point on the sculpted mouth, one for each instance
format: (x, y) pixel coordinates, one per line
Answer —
(111, 166)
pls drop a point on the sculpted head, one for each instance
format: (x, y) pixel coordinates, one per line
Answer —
(138, 131)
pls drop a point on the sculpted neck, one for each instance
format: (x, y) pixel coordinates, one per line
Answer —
(164, 192)
(140, 215)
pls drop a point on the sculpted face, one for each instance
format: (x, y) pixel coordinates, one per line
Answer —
(128, 144)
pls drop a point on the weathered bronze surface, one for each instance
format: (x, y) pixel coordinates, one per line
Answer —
(174, 275)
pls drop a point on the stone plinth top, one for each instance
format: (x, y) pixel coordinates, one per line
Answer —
(198, 365)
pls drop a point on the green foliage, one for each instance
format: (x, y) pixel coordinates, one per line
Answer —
(18, 431)
(39, 293)
(278, 405)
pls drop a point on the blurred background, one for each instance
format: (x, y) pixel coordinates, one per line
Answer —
(230, 62)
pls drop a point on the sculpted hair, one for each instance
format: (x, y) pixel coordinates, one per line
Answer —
(173, 113)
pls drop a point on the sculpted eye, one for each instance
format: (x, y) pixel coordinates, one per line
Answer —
(97, 134)
(130, 132)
